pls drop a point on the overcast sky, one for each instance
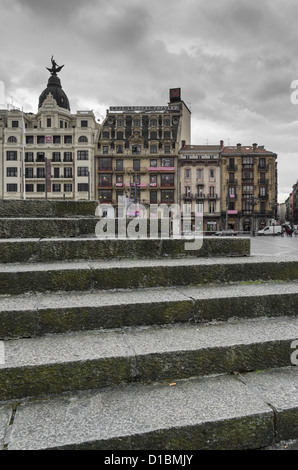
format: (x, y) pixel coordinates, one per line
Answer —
(234, 61)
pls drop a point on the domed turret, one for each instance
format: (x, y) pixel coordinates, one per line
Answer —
(54, 87)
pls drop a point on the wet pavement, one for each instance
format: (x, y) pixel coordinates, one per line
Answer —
(274, 246)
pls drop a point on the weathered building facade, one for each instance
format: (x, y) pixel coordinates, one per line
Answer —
(249, 187)
(200, 180)
(138, 149)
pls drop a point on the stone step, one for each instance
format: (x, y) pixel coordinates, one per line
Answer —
(59, 249)
(62, 312)
(225, 412)
(47, 227)
(55, 364)
(86, 275)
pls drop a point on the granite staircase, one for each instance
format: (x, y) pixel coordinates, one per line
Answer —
(143, 345)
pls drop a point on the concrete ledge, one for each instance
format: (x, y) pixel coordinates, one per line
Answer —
(42, 250)
(39, 208)
(36, 315)
(18, 279)
(59, 363)
(211, 413)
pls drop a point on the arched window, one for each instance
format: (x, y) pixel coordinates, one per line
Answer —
(83, 138)
(12, 139)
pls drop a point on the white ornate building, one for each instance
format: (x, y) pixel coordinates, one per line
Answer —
(48, 155)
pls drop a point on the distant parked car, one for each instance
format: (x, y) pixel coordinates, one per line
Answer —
(226, 233)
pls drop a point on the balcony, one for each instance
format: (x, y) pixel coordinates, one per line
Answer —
(266, 181)
(212, 196)
(188, 196)
(235, 182)
(200, 196)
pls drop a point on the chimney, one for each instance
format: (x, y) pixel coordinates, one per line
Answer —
(221, 144)
(255, 147)
(239, 147)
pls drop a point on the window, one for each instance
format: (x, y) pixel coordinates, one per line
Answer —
(153, 163)
(105, 180)
(40, 139)
(40, 188)
(136, 149)
(11, 171)
(153, 180)
(119, 135)
(82, 171)
(137, 122)
(40, 173)
(153, 197)
(212, 174)
(167, 122)
(120, 122)
(119, 148)
(105, 196)
(248, 189)
(231, 177)
(12, 139)
(11, 155)
(167, 162)
(262, 163)
(167, 134)
(167, 180)
(119, 165)
(29, 139)
(105, 163)
(83, 138)
(153, 122)
(49, 122)
(15, 124)
(56, 157)
(56, 188)
(67, 157)
(106, 134)
(136, 165)
(28, 172)
(56, 172)
(187, 173)
(153, 135)
(119, 180)
(29, 188)
(262, 207)
(40, 157)
(211, 207)
(231, 163)
(153, 148)
(262, 192)
(212, 191)
(56, 139)
(11, 188)
(68, 172)
(105, 149)
(68, 139)
(262, 177)
(167, 149)
(29, 157)
(83, 155)
(84, 123)
(167, 196)
(200, 174)
(67, 188)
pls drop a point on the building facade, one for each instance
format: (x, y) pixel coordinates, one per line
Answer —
(200, 180)
(138, 152)
(48, 155)
(249, 187)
